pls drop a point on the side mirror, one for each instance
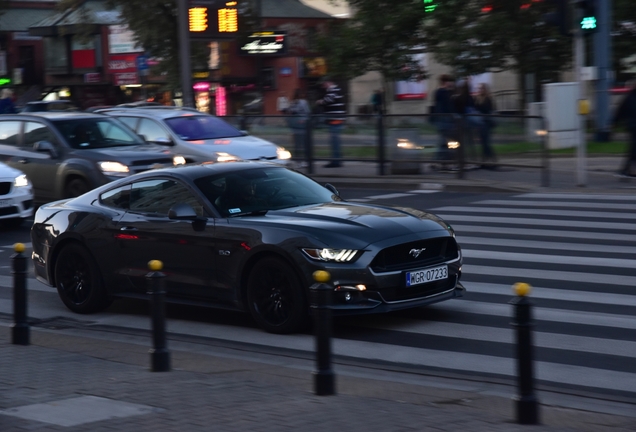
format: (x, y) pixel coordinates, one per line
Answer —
(244, 133)
(163, 141)
(182, 211)
(45, 147)
(332, 188)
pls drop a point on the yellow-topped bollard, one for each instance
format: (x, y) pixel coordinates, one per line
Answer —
(155, 265)
(321, 276)
(522, 289)
(18, 247)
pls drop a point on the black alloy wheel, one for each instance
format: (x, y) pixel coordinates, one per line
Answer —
(276, 298)
(75, 188)
(79, 282)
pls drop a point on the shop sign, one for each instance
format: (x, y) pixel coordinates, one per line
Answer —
(201, 75)
(285, 71)
(125, 78)
(201, 86)
(313, 67)
(93, 77)
(122, 63)
(122, 40)
(24, 35)
(265, 44)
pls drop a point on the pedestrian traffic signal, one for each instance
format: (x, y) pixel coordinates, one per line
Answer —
(430, 5)
(588, 21)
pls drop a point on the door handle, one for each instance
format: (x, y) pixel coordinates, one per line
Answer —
(128, 229)
(23, 161)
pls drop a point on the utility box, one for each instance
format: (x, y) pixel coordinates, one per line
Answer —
(562, 114)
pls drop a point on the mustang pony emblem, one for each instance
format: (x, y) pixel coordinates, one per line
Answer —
(416, 252)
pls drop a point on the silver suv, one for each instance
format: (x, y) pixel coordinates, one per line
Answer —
(65, 154)
(198, 136)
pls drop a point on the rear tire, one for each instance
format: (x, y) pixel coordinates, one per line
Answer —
(275, 297)
(78, 281)
(75, 188)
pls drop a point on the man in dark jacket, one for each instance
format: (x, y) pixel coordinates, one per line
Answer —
(334, 111)
(627, 111)
(443, 119)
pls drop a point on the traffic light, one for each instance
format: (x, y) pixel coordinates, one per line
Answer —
(588, 21)
(430, 5)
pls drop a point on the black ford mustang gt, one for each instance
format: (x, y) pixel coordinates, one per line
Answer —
(246, 236)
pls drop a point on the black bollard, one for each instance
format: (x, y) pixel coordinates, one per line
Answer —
(20, 328)
(321, 298)
(527, 405)
(159, 355)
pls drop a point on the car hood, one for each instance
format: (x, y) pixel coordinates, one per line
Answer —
(129, 153)
(7, 172)
(345, 223)
(245, 147)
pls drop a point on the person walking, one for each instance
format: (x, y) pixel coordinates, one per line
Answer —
(442, 116)
(6, 102)
(298, 115)
(334, 111)
(464, 105)
(485, 105)
(377, 102)
(626, 112)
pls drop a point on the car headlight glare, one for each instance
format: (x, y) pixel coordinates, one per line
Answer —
(281, 153)
(225, 157)
(113, 168)
(21, 181)
(333, 255)
(178, 160)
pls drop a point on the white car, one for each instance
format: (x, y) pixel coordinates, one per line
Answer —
(197, 136)
(16, 196)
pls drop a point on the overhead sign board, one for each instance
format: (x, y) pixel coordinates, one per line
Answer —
(213, 19)
(265, 44)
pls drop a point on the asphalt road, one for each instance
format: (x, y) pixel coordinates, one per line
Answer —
(575, 250)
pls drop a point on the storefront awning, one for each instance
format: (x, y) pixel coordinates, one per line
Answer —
(20, 19)
(93, 12)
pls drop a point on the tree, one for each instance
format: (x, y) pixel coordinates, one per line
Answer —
(382, 36)
(477, 36)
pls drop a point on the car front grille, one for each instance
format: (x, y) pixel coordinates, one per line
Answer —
(402, 257)
(5, 188)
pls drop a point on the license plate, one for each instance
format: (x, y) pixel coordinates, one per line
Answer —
(423, 276)
(5, 203)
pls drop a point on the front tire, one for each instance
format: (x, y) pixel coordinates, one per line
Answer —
(275, 297)
(76, 187)
(78, 281)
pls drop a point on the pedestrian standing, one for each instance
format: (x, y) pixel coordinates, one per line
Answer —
(334, 111)
(626, 112)
(464, 105)
(377, 102)
(6, 102)
(298, 115)
(282, 103)
(486, 106)
(442, 116)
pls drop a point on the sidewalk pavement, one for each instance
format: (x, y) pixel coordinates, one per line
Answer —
(97, 380)
(512, 175)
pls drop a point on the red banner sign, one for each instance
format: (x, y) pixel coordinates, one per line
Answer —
(122, 63)
(125, 78)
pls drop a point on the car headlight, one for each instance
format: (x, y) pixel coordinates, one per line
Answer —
(281, 153)
(335, 255)
(113, 168)
(21, 181)
(226, 157)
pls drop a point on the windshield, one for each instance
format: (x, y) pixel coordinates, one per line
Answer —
(91, 133)
(199, 127)
(258, 190)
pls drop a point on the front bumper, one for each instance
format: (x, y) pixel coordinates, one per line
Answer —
(17, 204)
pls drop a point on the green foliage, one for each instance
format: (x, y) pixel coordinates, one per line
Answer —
(382, 36)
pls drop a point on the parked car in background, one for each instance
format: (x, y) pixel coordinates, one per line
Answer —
(246, 236)
(65, 154)
(55, 105)
(196, 135)
(16, 196)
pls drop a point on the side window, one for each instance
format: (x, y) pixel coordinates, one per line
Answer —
(10, 132)
(159, 195)
(151, 130)
(118, 198)
(34, 132)
(131, 122)
(114, 132)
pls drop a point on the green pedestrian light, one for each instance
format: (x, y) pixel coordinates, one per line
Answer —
(429, 5)
(588, 23)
